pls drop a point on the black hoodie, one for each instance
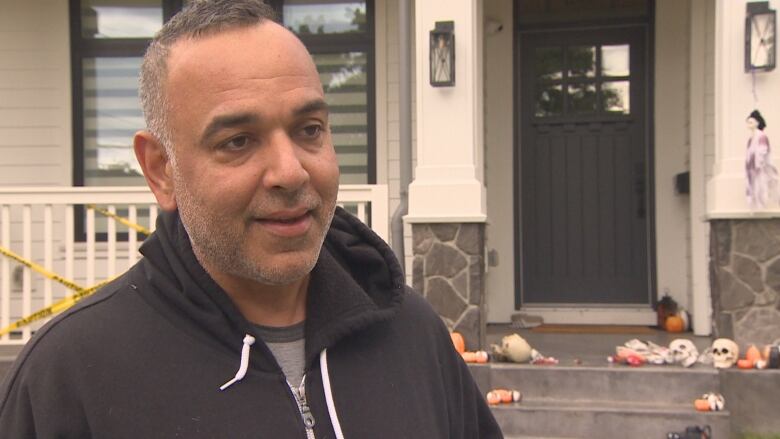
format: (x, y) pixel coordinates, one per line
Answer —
(145, 356)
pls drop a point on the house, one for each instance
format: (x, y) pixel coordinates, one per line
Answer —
(581, 160)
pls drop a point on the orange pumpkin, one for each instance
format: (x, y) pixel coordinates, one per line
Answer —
(702, 405)
(744, 364)
(458, 341)
(674, 324)
(753, 354)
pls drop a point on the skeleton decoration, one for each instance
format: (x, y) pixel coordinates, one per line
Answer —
(646, 351)
(761, 174)
(725, 353)
(684, 352)
(716, 401)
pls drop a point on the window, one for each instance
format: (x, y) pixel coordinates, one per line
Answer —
(582, 80)
(108, 39)
(339, 35)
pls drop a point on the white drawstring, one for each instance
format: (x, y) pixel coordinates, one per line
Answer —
(334, 418)
(248, 341)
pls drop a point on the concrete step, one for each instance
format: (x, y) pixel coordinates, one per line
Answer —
(613, 384)
(593, 419)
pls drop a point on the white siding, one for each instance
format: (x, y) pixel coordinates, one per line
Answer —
(35, 87)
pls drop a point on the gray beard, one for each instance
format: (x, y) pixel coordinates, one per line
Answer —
(221, 249)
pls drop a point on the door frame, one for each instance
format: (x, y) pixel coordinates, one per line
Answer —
(602, 312)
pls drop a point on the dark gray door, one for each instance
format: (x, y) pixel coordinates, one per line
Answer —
(583, 162)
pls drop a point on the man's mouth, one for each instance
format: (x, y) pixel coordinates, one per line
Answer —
(287, 224)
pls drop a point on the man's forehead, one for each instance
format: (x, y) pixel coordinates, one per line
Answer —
(267, 48)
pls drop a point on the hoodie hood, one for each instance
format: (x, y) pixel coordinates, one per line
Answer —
(356, 282)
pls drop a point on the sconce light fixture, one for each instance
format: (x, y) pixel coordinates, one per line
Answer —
(760, 37)
(443, 54)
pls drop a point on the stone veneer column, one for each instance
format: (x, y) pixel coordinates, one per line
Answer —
(447, 203)
(448, 270)
(745, 280)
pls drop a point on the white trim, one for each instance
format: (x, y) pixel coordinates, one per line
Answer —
(701, 305)
(417, 219)
(643, 315)
(764, 214)
(380, 91)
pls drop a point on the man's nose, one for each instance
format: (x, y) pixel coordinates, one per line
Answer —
(283, 166)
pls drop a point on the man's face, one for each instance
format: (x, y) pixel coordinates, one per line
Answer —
(255, 175)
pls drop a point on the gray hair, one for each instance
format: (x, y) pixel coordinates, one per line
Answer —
(199, 19)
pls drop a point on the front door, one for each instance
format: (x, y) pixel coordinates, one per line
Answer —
(583, 162)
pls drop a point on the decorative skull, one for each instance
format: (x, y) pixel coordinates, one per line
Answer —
(513, 348)
(684, 351)
(725, 353)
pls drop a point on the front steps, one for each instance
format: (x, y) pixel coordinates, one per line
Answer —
(602, 402)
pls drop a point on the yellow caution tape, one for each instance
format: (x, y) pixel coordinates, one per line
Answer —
(81, 292)
(121, 220)
(42, 271)
(57, 307)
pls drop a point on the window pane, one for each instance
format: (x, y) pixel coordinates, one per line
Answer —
(112, 114)
(324, 16)
(549, 63)
(615, 60)
(344, 80)
(120, 18)
(582, 61)
(582, 98)
(549, 100)
(615, 97)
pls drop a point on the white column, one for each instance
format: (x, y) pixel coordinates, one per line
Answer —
(733, 103)
(447, 184)
(701, 301)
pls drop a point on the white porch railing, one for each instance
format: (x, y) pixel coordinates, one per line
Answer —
(39, 224)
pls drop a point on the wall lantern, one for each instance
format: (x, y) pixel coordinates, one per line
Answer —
(443, 54)
(760, 37)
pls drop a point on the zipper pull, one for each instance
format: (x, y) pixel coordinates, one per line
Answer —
(308, 418)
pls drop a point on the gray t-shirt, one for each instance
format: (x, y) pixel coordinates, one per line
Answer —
(287, 345)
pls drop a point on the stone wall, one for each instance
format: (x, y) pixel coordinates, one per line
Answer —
(745, 280)
(449, 269)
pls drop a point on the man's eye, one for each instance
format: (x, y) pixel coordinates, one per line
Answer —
(311, 131)
(237, 142)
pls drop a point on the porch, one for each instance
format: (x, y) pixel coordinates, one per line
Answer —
(85, 235)
(584, 396)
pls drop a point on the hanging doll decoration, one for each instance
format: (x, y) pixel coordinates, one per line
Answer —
(761, 175)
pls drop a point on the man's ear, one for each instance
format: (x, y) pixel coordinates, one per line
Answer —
(157, 169)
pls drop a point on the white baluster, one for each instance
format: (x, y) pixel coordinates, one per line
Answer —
(152, 216)
(90, 247)
(361, 212)
(111, 260)
(27, 273)
(5, 268)
(48, 252)
(132, 237)
(70, 240)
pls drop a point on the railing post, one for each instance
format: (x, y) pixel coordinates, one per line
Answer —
(111, 259)
(5, 271)
(48, 252)
(90, 214)
(132, 237)
(27, 273)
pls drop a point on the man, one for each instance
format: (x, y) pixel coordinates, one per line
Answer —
(256, 312)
